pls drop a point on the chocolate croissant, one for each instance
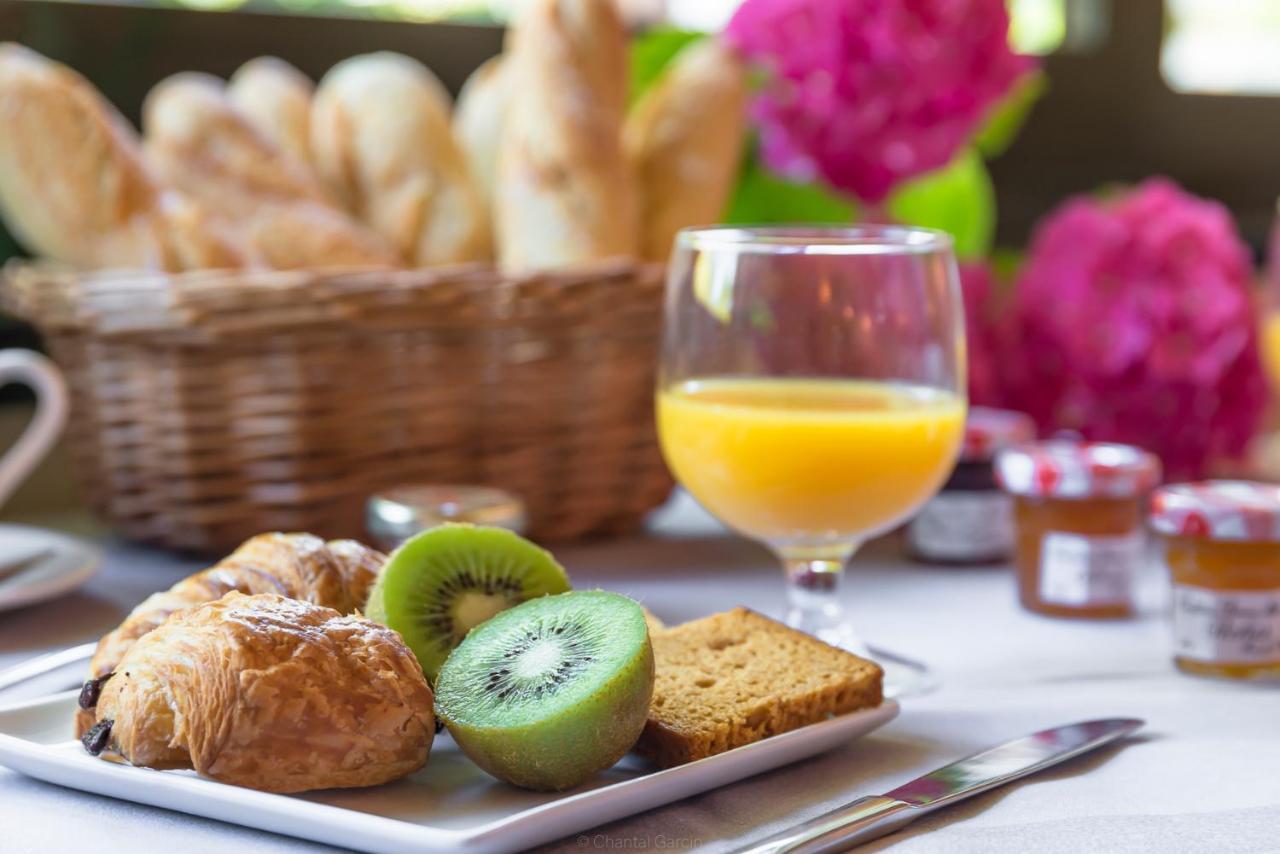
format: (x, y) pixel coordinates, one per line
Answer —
(336, 574)
(269, 693)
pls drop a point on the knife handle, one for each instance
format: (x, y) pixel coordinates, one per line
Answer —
(842, 828)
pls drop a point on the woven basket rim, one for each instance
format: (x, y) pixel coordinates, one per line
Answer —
(223, 303)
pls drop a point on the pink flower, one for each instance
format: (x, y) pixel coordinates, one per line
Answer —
(865, 93)
(1135, 324)
(982, 332)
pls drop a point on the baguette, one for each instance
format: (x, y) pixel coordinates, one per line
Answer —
(477, 122)
(567, 195)
(202, 145)
(276, 99)
(684, 140)
(381, 137)
(73, 184)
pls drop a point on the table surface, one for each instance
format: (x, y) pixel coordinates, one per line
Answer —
(1202, 777)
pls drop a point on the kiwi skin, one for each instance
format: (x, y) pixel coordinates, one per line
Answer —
(566, 748)
(416, 576)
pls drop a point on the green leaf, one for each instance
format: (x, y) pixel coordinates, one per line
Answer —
(958, 198)
(761, 198)
(651, 52)
(1006, 262)
(1010, 113)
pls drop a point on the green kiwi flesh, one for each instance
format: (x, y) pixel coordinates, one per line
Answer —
(445, 581)
(549, 693)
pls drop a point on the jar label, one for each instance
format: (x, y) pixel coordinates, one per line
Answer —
(1226, 626)
(964, 526)
(1083, 571)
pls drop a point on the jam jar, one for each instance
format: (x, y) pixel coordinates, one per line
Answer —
(395, 514)
(971, 520)
(1078, 515)
(1221, 543)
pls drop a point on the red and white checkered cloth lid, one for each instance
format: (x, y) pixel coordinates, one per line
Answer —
(989, 430)
(1068, 469)
(1218, 510)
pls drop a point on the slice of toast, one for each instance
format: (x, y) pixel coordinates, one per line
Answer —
(734, 678)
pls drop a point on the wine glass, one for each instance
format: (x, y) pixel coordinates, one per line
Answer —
(811, 395)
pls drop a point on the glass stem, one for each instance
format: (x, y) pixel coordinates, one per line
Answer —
(814, 600)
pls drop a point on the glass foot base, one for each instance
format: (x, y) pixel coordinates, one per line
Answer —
(903, 676)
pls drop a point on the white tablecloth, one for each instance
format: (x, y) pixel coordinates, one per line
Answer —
(1204, 777)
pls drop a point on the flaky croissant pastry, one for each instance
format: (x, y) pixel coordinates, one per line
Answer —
(336, 574)
(272, 694)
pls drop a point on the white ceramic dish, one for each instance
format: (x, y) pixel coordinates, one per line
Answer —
(63, 563)
(450, 805)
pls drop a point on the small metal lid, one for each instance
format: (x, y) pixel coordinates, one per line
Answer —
(1066, 469)
(1218, 510)
(395, 514)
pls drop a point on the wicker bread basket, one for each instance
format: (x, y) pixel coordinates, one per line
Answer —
(211, 406)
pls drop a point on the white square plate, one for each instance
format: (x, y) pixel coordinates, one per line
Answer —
(450, 805)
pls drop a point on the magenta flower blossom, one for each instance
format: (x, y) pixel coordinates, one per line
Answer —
(866, 93)
(1135, 324)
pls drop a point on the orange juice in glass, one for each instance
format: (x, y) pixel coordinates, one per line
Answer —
(1270, 345)
(811, 395)
(793, 461)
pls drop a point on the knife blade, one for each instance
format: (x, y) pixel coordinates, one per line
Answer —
(870, 818)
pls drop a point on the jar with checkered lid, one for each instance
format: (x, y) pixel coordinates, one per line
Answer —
(1078, 514)
(1221, 543)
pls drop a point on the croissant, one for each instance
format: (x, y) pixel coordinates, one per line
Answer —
(336, 574)
(269, 693)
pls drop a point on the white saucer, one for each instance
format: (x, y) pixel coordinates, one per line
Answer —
(64, 565)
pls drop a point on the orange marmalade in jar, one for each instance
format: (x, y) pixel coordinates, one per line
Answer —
(1078, 514)
(1222, 547)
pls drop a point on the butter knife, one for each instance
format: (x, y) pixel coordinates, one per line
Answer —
(870, 818)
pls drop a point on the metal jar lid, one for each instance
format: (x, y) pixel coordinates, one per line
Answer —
(1068, 469)
(988, 431)
(1218, 510)
(395, 514)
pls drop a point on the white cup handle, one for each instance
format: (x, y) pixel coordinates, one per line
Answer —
(32, 369)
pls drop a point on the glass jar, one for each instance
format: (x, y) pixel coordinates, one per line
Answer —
(970, 521)
(1078, 513)
(394, 515)
(1222, 548)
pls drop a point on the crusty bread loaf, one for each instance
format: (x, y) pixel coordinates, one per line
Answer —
(734, 678)
(202, 145)
(477, 122)
(381, 136)
(73, 184)
(565, 192)
(276, 99)
(684, 139)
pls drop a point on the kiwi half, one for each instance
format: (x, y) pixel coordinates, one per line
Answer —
(445, 581)
(551, 692)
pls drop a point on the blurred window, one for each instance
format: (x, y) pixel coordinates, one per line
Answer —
(1222, 47)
